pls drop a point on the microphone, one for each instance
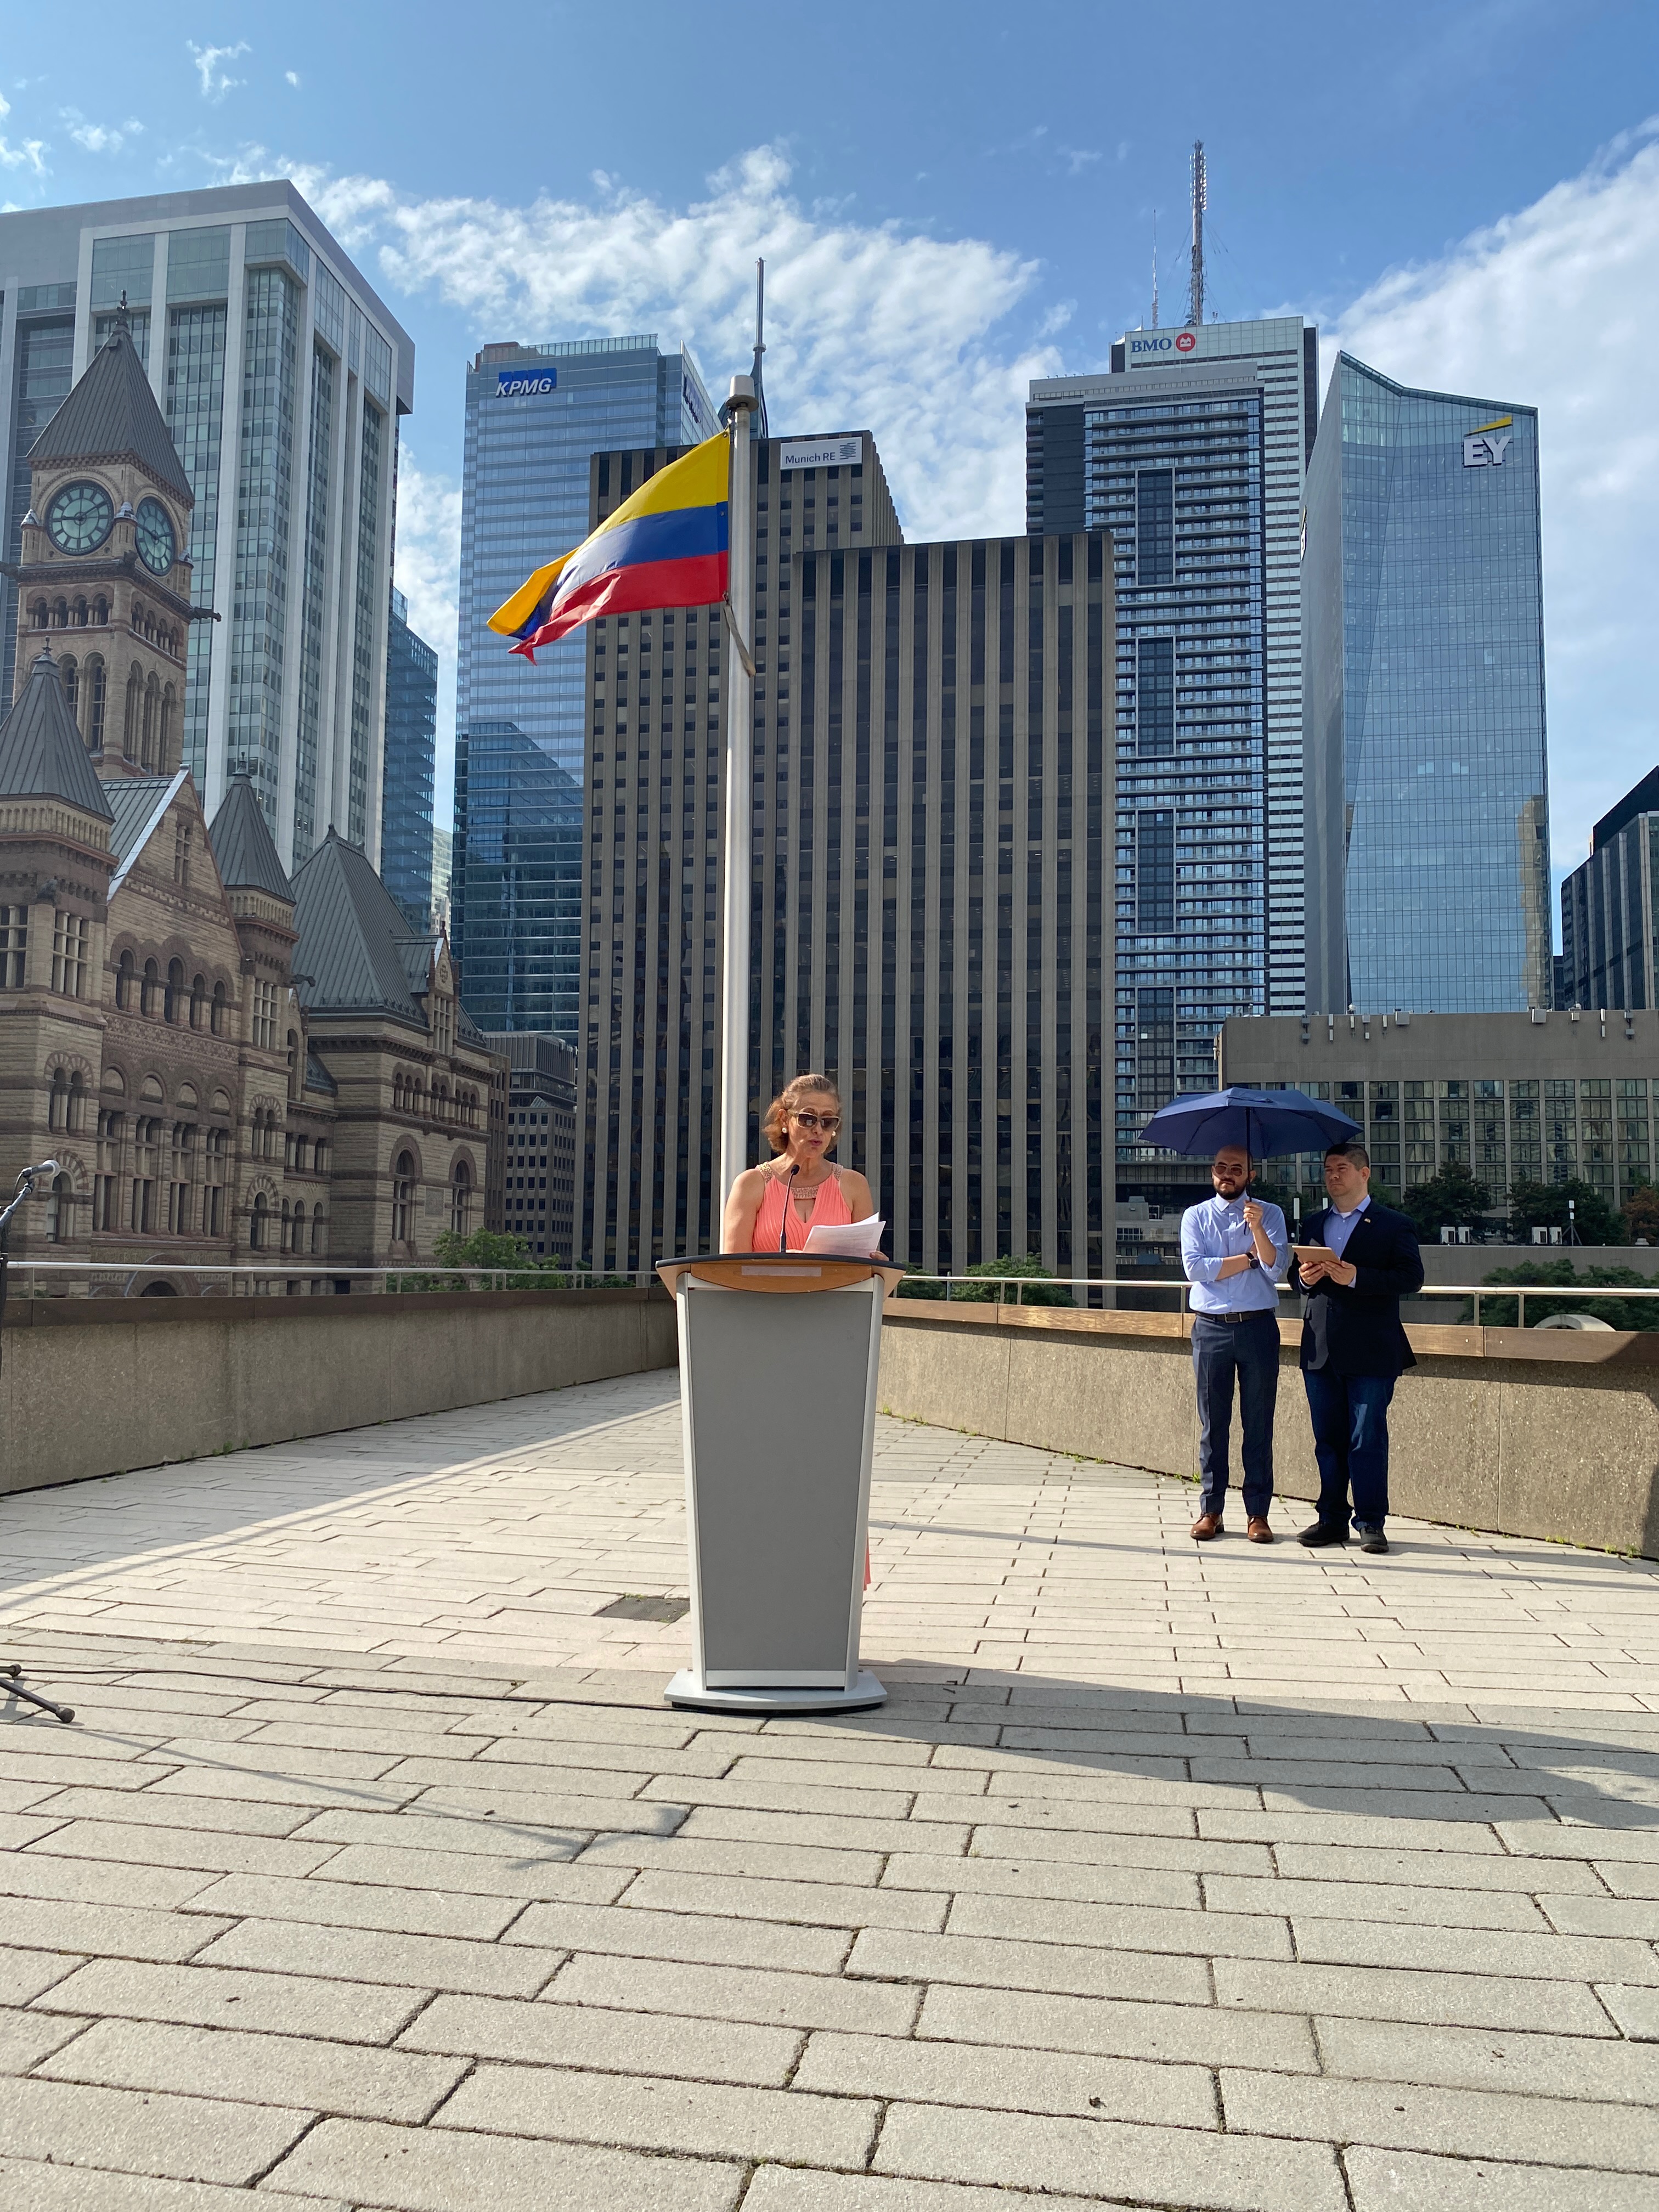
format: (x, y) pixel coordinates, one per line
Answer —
(789, 1201)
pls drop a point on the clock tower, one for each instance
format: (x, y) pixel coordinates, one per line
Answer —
(104, 578)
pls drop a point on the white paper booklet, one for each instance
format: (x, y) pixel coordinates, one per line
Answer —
(850, 1240)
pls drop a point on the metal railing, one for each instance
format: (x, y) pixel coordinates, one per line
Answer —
(1011, 1289)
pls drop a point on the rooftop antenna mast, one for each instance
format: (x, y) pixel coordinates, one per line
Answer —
(1154, 268)
(1201, 201)
(760, 430)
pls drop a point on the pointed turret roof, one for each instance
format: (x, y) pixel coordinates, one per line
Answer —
(354, 938)
(242, 843)
(41, 755)
(111, 415)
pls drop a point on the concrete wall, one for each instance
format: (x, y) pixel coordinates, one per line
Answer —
(1555, 1436)
(95, 1386)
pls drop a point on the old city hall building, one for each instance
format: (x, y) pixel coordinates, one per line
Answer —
(227, 1067)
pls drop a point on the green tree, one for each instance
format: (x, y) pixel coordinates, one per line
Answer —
(1028, 1270)
(502, 1260)
(1544, 1205)
(1642, 1314)
(1641, 1212)
(1451, 1199)
(918, 1285)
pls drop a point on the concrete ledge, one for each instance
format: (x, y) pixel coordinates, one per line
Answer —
(1550, 1433)
(96, 1386)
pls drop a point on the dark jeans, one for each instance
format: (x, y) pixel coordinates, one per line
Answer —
(1248, 1349)
(1351, 1442)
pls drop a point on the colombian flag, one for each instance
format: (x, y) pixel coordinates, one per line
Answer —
(665, 546)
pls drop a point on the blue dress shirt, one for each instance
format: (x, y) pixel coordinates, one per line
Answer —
(1216, 1231)
(1339, 1227)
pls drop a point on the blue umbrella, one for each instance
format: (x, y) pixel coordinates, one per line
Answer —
(1268, 1123)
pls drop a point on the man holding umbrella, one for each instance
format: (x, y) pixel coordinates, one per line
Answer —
(1233, 1252)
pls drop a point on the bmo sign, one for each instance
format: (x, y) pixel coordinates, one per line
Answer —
(1161, 345)
(525, 383)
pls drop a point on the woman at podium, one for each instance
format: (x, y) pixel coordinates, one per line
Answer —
(772, 1208)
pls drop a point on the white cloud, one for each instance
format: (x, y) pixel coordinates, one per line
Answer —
(30, 156)
(292, 77)
(99, 137)
(1558, 306)
(210, 67)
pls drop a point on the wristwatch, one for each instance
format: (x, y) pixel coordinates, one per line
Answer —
(1254, 1263)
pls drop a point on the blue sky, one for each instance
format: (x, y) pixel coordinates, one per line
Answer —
(952, 198)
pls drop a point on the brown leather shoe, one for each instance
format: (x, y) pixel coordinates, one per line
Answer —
(1259, 1531)
(1206, 1526)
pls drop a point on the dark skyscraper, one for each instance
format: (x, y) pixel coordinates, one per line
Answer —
(412, 734)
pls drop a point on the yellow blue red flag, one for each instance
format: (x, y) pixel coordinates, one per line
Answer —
(665, 546)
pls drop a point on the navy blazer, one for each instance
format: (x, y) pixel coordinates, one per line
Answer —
(1357, 1331)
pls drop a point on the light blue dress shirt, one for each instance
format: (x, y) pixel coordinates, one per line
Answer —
(1216, 1231)
(1339, 1227)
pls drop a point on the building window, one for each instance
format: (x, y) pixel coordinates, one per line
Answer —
(460, 1198)
(1154, 729)
(95, 689)
(403, 1198)
(220, 1005)
(259, 1223)
(58, 1211)
(1155, 527)
(174, 1003)
(69, 932)
(149, 996)
(125, 979)
(265, 1016)
(197, 1002)
(58, 1105)
(13, 944)
(1155, 873)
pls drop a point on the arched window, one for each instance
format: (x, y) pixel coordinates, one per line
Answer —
(60, 614)
(460, 1198)
(152, 710)
(71, 677)
(95, 692)
(318, 1241)
(198, 1001)
(298, 1243)
(164, 730)
(125, 978)
(38, 615)
(58, 1211)
(77, 1103)
(57, 1105)
(319, 1157)
(402, 1197)
(287, 1226)
(101, 611)
(80, 614)
(150, 997)
(217, 1022)
(134, 715)
(174, 1001)
(259, 1223)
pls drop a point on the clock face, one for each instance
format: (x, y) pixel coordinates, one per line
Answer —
(81, 518)
(157, 547)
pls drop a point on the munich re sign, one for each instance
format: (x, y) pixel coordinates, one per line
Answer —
(525, 383)
(1485, 448)
(819, 452)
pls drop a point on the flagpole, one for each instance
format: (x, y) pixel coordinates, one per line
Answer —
(739, 752)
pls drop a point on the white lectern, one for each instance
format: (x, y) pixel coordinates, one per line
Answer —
(778, 1402)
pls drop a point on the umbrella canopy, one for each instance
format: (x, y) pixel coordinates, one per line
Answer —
(1267, 1123)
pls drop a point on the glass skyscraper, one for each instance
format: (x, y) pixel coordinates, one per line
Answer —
(536, 416)
(1428, 828)
(412, 732)
(282, 376)
(1191, 453)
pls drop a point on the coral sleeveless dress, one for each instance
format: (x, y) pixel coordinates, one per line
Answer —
(778, 1217)
(770, 1222)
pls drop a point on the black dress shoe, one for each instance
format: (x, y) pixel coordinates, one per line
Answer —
(1373, 1541)
(1322, 1531)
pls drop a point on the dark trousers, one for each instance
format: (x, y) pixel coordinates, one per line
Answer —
(1249, 1350)
(1351, 1442)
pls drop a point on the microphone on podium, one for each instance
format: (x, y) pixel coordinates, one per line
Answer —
(789, 1201)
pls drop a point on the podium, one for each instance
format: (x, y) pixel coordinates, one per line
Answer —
(779, 1357)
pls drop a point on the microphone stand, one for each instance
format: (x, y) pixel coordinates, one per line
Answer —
(789, 1201)
(11, 1675)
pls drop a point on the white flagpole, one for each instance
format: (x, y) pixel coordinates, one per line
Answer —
(739, 752)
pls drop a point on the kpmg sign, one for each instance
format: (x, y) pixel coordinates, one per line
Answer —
(1150, 346)
(524, 383)
(819, 452)
(1485, 448)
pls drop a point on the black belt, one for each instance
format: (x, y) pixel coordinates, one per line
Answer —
(1251, 1313)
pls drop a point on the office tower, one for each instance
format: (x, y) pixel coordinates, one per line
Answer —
(933, 770)
(1609, 925)
(541, 1139)
(1428, 818)
(1192, 452)
(411, 733)
(282, 376)
(535, 417)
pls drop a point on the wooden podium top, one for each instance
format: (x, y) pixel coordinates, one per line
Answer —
(778, 1271)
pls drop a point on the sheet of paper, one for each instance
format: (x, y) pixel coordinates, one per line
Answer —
(850, 1240)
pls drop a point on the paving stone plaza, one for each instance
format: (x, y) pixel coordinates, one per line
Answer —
(375, 1872)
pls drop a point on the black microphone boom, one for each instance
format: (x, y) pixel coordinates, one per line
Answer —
(789, 1201)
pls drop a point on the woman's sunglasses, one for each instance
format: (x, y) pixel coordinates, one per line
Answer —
(827, 1122)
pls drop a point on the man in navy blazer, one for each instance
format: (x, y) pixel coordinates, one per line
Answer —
(1353, 1348)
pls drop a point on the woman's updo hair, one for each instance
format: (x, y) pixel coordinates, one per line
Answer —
(773, 1127)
